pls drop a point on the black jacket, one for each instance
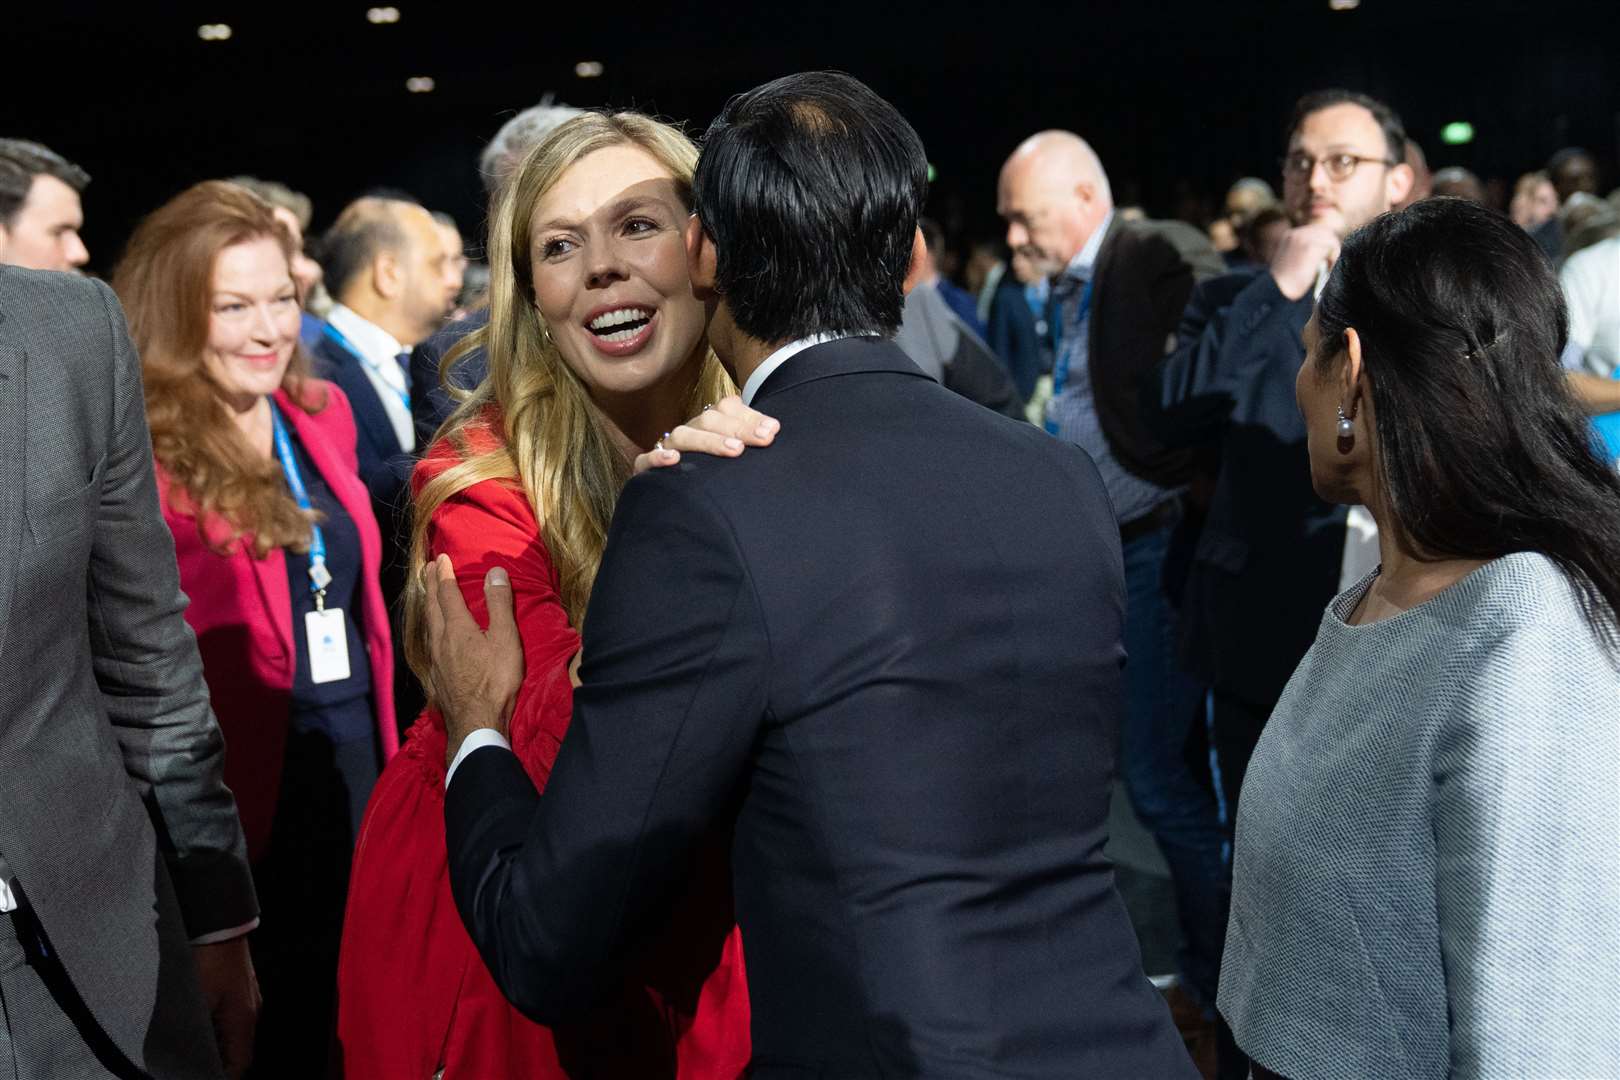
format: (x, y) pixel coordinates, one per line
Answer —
(1269, 556)
(909, 720)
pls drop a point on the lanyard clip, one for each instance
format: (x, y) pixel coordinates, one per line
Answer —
(320, 599)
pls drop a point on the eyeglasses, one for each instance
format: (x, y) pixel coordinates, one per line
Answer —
(1338, 166)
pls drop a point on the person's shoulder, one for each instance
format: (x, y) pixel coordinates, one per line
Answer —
(478, 436)
(446, 337)
(52, 300)
(1594, 261)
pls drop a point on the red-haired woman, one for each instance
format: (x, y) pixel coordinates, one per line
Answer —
(279, 553)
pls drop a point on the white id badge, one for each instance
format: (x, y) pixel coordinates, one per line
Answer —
(328, 645)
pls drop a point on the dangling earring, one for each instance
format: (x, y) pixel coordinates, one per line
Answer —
(1347, 432)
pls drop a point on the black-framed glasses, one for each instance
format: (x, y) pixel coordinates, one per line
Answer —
(1339, 166)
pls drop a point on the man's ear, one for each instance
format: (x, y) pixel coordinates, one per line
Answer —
(702, 261)
(1398, 184)
(917, 268)
(387, 274)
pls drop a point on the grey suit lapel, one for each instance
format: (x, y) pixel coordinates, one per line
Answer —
(13, 421)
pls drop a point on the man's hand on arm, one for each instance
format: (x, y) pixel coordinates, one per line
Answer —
(1596, 394)
(475, 673)
(231, 989)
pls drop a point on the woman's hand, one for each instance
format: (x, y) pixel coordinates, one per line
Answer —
(723, 429)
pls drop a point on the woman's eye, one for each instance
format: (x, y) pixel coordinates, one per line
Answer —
(559, 246)
(231, 309)
(640, 225)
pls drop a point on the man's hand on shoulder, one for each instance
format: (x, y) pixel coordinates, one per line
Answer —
(1300, 258)
(231, 989)
(475, 674)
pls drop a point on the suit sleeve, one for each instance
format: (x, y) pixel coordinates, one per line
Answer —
(1527, 871)
(554, 890)
(149, 672)
(1223, 342)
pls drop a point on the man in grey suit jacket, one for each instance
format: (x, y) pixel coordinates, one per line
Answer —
(119, 842)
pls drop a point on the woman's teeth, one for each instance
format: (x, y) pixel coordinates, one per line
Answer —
(621, 324)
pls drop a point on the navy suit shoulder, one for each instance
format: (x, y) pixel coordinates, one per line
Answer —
(431, 405)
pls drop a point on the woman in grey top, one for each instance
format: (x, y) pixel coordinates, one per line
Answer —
(1427, 869)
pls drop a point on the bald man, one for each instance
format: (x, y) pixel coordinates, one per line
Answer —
(1118, 289)
(385, 265)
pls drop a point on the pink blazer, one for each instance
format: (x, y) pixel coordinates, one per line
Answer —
(241, 611)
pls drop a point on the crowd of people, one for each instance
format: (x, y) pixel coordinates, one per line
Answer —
(700, 638)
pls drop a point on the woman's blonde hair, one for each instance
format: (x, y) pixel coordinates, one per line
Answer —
(165, 283)
(554, 443)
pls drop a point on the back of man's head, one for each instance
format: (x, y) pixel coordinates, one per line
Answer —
(810, 188)
(366, 227)
(528, 129)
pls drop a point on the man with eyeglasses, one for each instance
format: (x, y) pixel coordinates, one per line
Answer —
(1271, 554)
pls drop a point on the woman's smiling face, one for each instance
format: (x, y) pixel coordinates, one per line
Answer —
(608, 261)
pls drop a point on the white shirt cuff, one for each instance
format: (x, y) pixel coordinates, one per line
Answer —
(476, 741)
(225, 935)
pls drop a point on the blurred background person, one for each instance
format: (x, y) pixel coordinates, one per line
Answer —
(1263, 234)
(279, 553)
(1573, 171)
(1534, 201)
(596, 345)
(1017, 332)
(455, 262)
(1244, 199)
(1458, 182)
(1591, 282)
(431, 402)
(960, 300)
(40, 209)
(295, 212)
(1117, 290)
(1426, 844)
(1584, 220)
(385, 263)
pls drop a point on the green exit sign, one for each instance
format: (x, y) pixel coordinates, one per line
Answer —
(1457, 133)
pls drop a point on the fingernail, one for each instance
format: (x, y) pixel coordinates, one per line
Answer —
(765, 428)
(733, 444)
(497, 576)
(668, 455)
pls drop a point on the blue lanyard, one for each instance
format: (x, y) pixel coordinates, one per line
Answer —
(337, 335)
(1060, 366)
(319, 576)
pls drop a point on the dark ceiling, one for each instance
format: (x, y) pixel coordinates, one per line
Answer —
(1179, 98)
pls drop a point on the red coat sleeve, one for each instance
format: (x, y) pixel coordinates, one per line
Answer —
(490, 524)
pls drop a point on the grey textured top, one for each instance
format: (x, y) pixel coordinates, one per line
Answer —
(1427, 871)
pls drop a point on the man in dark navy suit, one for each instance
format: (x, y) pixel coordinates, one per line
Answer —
(385, 264)
(832, 648)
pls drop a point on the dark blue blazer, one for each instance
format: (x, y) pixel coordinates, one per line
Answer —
(886, 653)
(431, 405)
(1268, 559)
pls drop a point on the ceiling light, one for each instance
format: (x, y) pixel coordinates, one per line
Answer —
(588, 69)
(1343, 5)
(214, 32)
(378, 16)
(419, 84)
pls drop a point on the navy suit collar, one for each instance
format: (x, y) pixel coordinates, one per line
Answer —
(846, 356)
